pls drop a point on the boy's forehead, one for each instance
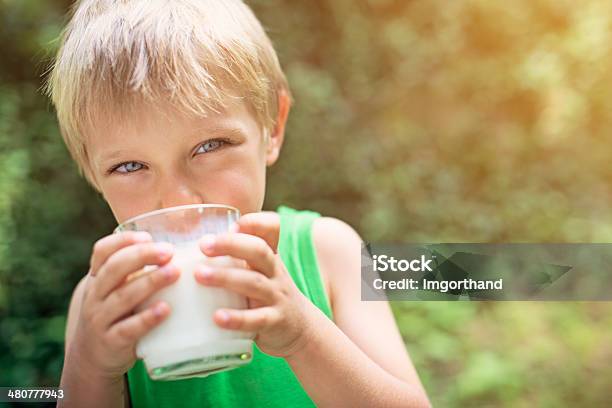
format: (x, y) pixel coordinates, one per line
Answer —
(152, 116)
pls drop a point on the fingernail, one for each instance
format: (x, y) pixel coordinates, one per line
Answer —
(160, 309)
(164, 249)
(223, 316)
(205, 272)
(169, 271)
(207, 241)
(142, 236)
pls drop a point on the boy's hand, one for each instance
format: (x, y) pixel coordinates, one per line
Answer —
(107, 328)
(278, 311)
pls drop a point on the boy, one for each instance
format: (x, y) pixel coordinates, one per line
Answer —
(165, 103)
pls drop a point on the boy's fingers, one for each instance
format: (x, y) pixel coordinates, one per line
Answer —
(265, 224)
(248, 283)
(250, 320)
(125, 298)
(129, 260)
(105, 247)
(254, 250)
(127, 331)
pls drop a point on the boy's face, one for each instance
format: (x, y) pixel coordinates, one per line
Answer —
(157, 161)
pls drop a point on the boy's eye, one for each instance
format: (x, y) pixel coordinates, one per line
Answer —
(210, 145)
(128, 167)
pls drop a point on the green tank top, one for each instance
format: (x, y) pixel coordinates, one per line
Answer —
(266, 381)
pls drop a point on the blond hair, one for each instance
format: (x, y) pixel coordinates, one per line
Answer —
(115, 55)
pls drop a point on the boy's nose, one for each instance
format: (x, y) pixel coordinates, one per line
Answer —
(182, 225)
(177, 193)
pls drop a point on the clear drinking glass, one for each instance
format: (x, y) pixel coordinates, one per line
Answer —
(188, 343)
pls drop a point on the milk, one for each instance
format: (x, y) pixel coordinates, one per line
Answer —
(188, 343)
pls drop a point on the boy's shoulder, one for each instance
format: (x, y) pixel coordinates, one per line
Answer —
(337, 246)
(331, 236)
(334, 239)
(338, 249)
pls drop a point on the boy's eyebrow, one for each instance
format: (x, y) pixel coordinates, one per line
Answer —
(112, 155)
(220, 130)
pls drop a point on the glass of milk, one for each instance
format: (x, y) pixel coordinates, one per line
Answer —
(188, 343)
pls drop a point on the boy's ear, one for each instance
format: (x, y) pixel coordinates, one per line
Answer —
(276, 137)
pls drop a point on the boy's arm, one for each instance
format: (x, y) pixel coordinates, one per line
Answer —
(73, 312)
(127, 403)
(83, 387)
(361, 360)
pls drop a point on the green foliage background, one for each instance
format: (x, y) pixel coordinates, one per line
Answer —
(439, 121)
